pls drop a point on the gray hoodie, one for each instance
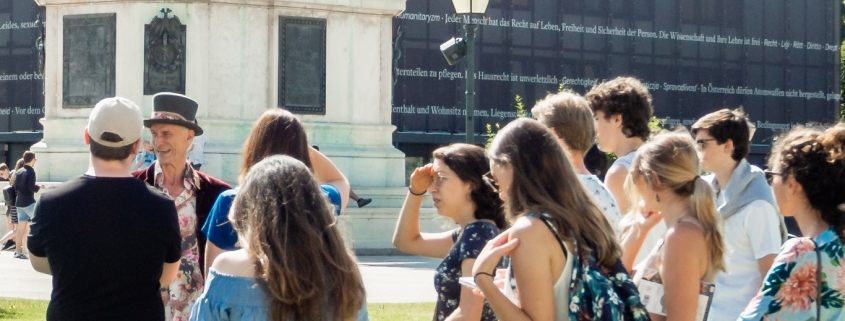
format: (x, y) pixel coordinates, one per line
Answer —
(747, 184)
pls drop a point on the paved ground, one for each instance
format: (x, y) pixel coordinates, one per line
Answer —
(19, 280)
(388, 279)
(396, 279)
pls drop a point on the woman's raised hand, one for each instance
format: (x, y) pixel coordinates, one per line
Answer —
(645, 221)
(492, 253)
(421, 179)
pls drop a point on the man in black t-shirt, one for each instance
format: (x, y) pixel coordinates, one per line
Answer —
(109, 240)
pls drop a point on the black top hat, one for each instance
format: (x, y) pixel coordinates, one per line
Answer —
(176, 109)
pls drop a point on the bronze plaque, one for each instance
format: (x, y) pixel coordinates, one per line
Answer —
(89, 59)
(302, 65)
(164, 55)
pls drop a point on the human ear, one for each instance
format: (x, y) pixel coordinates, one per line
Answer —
(729, 146)
(136, 145)
(616, 119)
(794, 188)
(86, 137)
(656, 184)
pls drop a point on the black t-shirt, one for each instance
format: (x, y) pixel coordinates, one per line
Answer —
(106, 240)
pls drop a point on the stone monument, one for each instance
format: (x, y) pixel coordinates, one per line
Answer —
(329, 61)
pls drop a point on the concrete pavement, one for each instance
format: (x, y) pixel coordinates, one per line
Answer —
(398, 279)
(19, 280)
(388, 279)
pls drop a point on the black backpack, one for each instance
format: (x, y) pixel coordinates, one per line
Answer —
(9, 195)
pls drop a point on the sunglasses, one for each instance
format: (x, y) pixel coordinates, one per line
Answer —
(491, 181)
(702, 142)
(770, 175)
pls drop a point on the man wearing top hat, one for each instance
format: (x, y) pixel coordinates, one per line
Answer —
(173, 127)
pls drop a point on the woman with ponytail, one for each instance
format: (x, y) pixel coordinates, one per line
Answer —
(293, 264)
(807, 279)
(664, 176)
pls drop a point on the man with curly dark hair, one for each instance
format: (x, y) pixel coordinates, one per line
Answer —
(622, 109)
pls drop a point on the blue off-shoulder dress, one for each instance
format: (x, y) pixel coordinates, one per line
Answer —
(237, 298)
(219, 231)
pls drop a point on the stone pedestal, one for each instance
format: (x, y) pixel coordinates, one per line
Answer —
(232, 71)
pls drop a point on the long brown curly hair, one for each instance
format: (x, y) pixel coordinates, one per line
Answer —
(816, 160)
(286, 226)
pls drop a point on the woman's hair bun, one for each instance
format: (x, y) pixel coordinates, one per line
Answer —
(833, 141)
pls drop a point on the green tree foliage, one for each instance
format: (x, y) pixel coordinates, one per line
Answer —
(656, 124)
(520, 113)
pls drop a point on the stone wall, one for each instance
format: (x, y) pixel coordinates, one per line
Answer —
(231, 70)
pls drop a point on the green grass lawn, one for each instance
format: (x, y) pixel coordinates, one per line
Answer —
(22, 310)
(31, 310)
(401, 311)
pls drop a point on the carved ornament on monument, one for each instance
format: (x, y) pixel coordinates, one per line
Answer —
(164, 55)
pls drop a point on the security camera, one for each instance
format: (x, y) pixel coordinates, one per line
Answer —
(453, 50)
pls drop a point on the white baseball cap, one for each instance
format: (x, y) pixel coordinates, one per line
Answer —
(118, 116)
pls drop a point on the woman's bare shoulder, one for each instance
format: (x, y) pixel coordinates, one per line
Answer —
(238, 263)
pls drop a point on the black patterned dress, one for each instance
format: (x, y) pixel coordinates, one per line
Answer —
(467, 246)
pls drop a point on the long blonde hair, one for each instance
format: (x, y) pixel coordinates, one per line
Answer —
(544, 182)
(670, 157)
(296, 244)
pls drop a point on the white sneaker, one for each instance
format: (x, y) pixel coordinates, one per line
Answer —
(21, 256)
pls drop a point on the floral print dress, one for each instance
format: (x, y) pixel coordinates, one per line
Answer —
(467, 246)
(792, 289)
(180, 295)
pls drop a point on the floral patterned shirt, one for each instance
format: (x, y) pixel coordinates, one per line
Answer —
(603, 199)
(467, 246)
(791, 288)
(180, 296)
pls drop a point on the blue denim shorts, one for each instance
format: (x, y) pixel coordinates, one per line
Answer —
(25, 214)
